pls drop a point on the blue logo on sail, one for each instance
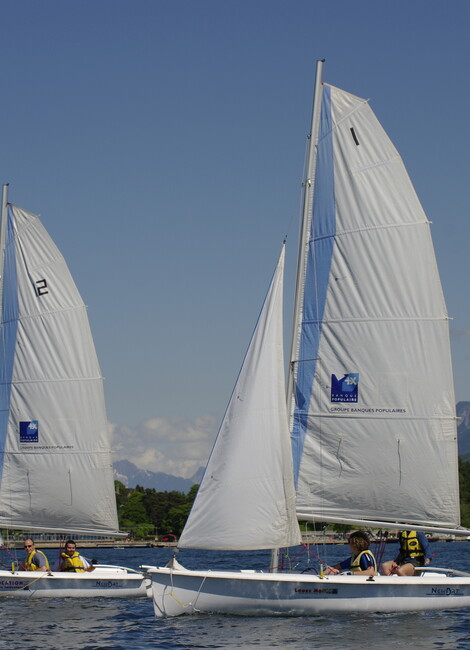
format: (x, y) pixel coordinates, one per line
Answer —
(346, 388)
(29, 431)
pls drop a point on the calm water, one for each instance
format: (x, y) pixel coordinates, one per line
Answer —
(131, 625)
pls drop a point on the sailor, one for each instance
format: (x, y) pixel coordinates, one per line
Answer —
(362, 560)
(414, 551)
(71, 560)
(35, 559)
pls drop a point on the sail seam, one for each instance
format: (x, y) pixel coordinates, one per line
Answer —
(378, 416)
(362, 102)
(8, 522)
(45, 314)
(382, 319)
(44, 448)
(380, 163)
(354, 231)
(16, 382)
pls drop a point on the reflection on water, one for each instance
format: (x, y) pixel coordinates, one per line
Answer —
(123, 625)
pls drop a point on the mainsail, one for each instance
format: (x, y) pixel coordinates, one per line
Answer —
(247, 499)
(55, 462)
(374, 427)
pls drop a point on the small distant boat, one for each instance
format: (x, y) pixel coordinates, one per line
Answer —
(55, 464)
(370, 403)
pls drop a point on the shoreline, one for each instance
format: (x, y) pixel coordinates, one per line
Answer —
(306, 539)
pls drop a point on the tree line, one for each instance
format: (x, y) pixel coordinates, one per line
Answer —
(144, 512)
(147, 512)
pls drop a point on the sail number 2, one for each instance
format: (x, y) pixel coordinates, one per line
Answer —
(41, 287)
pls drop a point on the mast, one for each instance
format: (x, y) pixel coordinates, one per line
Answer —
(302, 255)
(304, 235)
(3, 228)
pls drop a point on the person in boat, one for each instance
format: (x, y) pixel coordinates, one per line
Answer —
(362, 560)
(35, 559)
(71, 560)
(414, 551)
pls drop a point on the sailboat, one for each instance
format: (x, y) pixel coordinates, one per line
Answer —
(367, 435)
(55, 465)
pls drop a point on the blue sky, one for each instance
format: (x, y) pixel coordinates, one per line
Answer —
(163, 141)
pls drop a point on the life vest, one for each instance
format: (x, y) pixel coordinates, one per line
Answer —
(29, 564)
(409, 544)
(71, 563)
(356, 562)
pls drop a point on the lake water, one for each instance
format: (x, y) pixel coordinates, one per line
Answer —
(131, 625)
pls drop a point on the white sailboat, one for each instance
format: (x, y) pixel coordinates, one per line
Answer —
(55, 462)
(370, 396)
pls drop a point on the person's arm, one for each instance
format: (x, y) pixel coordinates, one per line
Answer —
(332, 570)
(338, 568)
(367, 565)
(425, 545)
(86, 565)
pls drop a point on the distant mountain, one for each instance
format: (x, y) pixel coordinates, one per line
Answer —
(463, 429)
(131, 475)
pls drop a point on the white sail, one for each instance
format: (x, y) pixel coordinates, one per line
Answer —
(247, 499)
(55, 464)
(374, 433)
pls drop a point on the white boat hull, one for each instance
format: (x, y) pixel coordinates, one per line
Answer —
(177, 592)
(104, 581)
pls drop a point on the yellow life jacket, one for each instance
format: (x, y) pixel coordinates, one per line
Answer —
(71, 563)
(29, 564)
(356, 561)
(409, 544)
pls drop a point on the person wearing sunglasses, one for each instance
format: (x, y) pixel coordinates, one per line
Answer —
(35, 559)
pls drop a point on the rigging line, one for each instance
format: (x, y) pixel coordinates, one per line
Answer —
(296, 325)
(320, 437)
(14, 556)
(173, 595)
(319, 559)
(380, 545)
(304, 181)
(198, 593)
(294, 219)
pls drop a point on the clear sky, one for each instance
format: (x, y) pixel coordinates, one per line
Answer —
(162, 142)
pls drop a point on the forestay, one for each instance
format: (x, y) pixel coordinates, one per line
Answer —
(374, 433)
(56, 470)
(246, 499)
